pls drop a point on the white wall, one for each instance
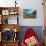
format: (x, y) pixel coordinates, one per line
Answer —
(33, 4)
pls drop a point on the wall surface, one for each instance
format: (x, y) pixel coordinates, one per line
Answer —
(31, 4)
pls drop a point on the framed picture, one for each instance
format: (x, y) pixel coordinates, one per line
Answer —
(12, 12)
(29, 13)
(5, 12)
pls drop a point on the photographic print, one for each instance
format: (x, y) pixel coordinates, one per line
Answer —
(5, 12)
(29, 13)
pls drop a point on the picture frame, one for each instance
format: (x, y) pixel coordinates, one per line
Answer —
(29, 13)
(12, 12)
(5, 12)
